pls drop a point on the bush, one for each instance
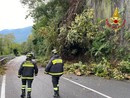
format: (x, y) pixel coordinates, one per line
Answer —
(42, 61)
(103, 68)
(124, 66)
(117, 74)
(2, 70)
(76, 68)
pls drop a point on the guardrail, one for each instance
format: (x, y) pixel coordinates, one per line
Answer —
(4, 59)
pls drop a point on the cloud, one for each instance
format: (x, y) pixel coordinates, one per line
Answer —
(12, 15)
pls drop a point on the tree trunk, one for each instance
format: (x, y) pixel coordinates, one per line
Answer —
(122, 30)
(76, 7)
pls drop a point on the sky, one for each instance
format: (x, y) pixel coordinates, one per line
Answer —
(12, 15)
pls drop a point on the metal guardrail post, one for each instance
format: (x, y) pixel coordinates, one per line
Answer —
(3, 60)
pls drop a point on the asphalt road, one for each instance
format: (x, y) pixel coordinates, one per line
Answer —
(71, 86)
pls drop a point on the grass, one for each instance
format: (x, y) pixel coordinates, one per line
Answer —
(2, 70)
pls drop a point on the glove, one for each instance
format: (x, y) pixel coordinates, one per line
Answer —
(45, 72)
(19, 76)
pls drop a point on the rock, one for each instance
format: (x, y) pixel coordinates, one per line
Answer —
(77, 72)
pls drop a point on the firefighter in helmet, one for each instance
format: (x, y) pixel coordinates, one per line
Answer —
(26, 72)
(55, 69)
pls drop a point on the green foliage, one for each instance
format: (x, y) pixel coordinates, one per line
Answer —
(71, 68)
(103, 68)
(82, 28)
(127, 36)
(46, 17)
(124, 66)
(85, 38)
(15, 52)
(7, 44)
(2, 70)
(27, 46)
(117, 74)
(42, 61)
(100, 43)
(76, 39)
(79, 68)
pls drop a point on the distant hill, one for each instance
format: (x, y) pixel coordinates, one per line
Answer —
(21, 34)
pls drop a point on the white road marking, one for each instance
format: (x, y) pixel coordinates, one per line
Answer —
(3, 87)
(87, 88)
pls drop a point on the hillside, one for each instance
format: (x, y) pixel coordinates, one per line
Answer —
(21, 34)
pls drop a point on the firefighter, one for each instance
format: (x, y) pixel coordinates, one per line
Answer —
(26, 72)
(31, 55)
(55, 69)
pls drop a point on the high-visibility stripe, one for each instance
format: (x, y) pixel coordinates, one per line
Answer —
(57, 61)
(27, 77)
(28, 64)
(29, 89)
(56, 73)
(23, 86)
(55, 88)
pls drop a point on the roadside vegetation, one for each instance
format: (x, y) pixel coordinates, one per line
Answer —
(7, 47)
(2, 70)
(77, 30)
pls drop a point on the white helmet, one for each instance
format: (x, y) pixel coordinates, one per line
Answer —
(54, 51)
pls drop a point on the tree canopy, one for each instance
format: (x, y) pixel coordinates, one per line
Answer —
(77, 29)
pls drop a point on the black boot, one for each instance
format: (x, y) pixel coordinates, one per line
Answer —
(56, 94)
(29, 95)
(58, 91)
(23, 93)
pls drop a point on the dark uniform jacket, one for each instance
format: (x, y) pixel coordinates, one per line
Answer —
(55, 66)
(28, 69)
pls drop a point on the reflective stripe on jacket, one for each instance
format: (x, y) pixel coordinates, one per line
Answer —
(28, 69)
(55, 66)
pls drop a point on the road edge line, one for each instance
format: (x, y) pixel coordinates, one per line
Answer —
(87, 88)
(3, 87)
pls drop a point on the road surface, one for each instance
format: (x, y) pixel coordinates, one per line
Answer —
(71, 86)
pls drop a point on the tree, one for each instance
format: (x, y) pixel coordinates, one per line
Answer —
(68, 26)
(7, 44)
(1, 44)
